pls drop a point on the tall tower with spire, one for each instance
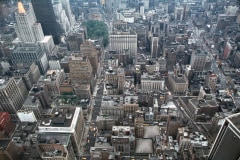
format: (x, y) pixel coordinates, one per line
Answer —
(29, 31)
(27, 28)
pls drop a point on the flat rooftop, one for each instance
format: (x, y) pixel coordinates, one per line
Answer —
(151, 131)
(144, 146)
(51, 138)
(203, 103)
(59, 117)
(26, 49)
(31, 100)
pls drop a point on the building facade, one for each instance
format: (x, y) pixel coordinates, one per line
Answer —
(31, 54)
(80, 70)
(27, 28)
(88, 50)
(198, 61)
(11, 97)
(65, 120)
(227, 137)
(45, 15)
(124, 41)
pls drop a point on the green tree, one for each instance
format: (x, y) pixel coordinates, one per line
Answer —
(96, 30)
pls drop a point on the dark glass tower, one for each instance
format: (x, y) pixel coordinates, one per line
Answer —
(45, 15)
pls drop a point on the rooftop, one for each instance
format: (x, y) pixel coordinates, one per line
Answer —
(121, 128)
(131, 99)
(203, 103)
(31, 100)
(179, 79)
(151, 131)
(51, 76)
(144, 146)
(50, 138)
(61, 119)
(28, 50)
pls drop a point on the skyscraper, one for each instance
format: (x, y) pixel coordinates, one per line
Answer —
(29, 31)
(154, 47)
(66, 7)
(11, 97)
(45, 15)
(27, 28)
(226, 145)
(64, 15)
(198, 61)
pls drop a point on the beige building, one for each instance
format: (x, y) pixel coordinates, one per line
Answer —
(112, 106)
(178, 84)
(80, 70)
(105, 122)
(115, 80)
(66, 87)
(212, 81)
(152, 83)
(169, 118)
(88, 50)
(122, 138)
(130, 104)
(10, 150)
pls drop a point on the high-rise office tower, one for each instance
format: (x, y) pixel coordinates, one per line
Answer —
(45, 15)
(27, 28)
(29, 31)
(198, 61)
(154, 47)
(64, 15)
(226, 145)
(179, 13)
(66, 7)
(11, 97)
